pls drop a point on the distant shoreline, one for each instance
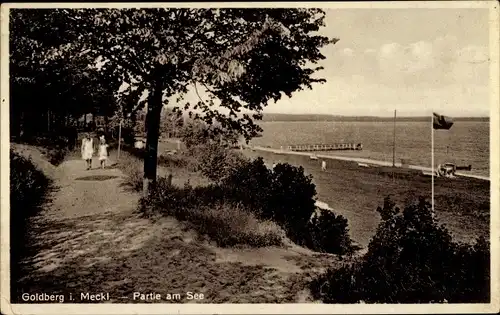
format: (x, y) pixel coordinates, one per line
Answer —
(338, 118)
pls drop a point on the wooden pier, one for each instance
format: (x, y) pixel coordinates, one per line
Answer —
(325, 147)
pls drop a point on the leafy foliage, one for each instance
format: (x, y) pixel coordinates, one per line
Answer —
(251, 185)
(216, 162)
(49, 72)
(173, 161)
(196, 133)
(241, 58)
(328, 233)
(291, 198)
(411, 259)
(29, 191)
(28, 187)
(172, 122)
(284, 195)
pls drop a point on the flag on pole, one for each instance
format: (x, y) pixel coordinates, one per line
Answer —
(442, 122)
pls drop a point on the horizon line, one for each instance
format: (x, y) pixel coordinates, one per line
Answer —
(376, 116)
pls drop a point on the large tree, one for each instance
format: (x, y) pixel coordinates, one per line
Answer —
(235, 60)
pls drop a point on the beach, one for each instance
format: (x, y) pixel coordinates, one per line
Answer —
(355, 192)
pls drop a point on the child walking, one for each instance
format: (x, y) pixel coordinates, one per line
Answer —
(103, 152)
(87, 150)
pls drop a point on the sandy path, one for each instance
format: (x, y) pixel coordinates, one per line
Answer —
(95, 191)
(90, 240)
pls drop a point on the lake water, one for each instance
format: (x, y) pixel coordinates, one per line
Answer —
(465, 143)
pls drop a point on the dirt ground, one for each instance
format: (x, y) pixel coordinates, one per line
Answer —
(90, 240)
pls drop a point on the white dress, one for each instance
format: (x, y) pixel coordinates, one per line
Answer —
(103, 152)
(87, 149)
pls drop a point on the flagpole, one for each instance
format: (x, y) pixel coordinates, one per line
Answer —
(394, 142)
(119, 138)
(432, 157)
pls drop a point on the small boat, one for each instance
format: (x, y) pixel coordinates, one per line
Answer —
(449, 169)
(446, 170)
(313, 157)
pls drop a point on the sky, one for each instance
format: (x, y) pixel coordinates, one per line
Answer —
(415, 61)
(410, 60)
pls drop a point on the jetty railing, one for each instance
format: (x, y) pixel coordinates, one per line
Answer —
(325, 147)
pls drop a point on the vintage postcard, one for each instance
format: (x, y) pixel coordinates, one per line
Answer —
(250, 158)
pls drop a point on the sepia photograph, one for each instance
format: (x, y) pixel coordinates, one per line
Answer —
(250, 157)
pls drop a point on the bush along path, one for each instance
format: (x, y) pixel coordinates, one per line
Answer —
(91, 240)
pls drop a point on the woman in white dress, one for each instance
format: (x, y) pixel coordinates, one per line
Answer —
(87, 150)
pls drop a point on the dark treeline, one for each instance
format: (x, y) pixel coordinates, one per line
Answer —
(323, 117)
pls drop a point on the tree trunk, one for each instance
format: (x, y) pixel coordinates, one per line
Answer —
(153, 132)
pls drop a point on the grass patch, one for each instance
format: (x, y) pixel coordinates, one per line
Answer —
(173, 161)
(203, 209)
(132, 167)
(229, 225)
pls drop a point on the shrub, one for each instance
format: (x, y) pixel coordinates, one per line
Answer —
(199, 133)
(209, 150)
(284, 195)
(194, 134)
(56, 155)
(204, 209)
(411, 259)
(251, 185)
(172, 161)
(132, 167)
(29, 187)
(167, 199)
(181, 160)
(55, 147)
(291, 202)
(214, 161)
(29, 191)
(328, 233)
